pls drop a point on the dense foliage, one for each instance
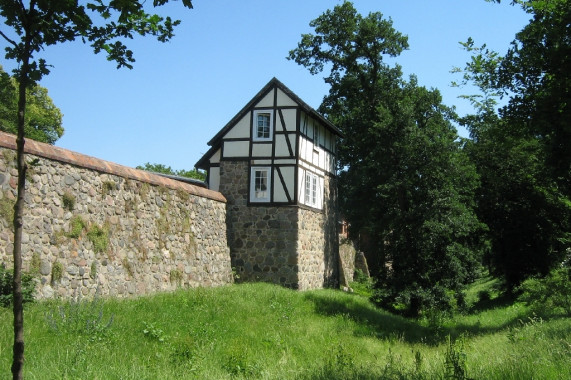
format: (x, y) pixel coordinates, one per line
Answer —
(6, 289)
(30, 27)
(549, 295)
(161, 168)
(43, 119)
(405, 183)
(523, 152)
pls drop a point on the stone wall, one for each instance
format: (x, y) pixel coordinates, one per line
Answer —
(318, 244)
(92, 225)
(263, 240)
(288, 245)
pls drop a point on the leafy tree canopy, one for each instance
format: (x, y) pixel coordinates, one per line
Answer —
(43, 119)
(405, 184)
(30, 28)
(160, 168)
(523, 151)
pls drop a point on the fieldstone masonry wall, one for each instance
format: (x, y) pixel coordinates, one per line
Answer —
(287, 245)
(93, 226)
(263, 240)
(318, 242)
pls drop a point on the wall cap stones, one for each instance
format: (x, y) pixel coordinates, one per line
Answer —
(67, 156)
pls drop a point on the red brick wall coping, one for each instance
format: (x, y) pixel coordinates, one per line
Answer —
(67, 156)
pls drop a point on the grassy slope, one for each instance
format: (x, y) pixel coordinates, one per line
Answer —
(265, 331)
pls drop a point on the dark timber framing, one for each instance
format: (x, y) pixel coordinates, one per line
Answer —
(270, 156)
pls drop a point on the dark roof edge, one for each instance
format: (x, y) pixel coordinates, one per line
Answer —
(260, 94)
(192, 181)
(307, 107)
(213, 143)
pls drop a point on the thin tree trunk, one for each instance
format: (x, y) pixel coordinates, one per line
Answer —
(18, 349)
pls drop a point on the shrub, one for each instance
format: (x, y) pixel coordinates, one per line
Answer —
(455, 361)
(107, 187)
(57, 272)
(362, 284)
(99, 236)
(80, 317)
(7, 209)
(68, 201)
(551, 294)
(7, 289)
(76, 227)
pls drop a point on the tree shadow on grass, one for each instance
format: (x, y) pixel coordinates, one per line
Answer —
(370, 321)
(483, 304)
(381, 324)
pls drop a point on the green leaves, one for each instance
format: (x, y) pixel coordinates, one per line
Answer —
(405, 183)
(160, 168)
(103, 24)
(43, 120)
(522, 151)
(348, 42)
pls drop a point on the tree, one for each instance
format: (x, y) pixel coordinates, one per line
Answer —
(43, 118)
(523, 151)
(30, 28)
(405, 182)
(160, 168)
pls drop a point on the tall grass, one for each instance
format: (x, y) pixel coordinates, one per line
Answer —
(262, 331)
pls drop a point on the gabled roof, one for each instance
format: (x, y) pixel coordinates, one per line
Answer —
(274, 82)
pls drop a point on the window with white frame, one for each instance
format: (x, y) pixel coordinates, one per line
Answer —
(312, 190)
(260, 184)
(263, 125)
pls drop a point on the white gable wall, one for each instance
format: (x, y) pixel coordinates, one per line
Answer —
(241, 129)
(267, 101)
(299, 144)
(284, 100)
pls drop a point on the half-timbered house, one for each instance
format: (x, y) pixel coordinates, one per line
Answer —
(275, 164)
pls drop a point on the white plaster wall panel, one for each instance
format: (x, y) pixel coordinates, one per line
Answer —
(300, 184)
(241, 129)
(311, 168)
(214, 179)
(288, 174)
(293, 142)
(236, 148)
(290, 116)
(284, 161)
(305, 149)
(262, 150)
(320, 193)
(282, 147)
(261, 162)
(279, 192)
(267, 101)
(215, 159)
(284, 100)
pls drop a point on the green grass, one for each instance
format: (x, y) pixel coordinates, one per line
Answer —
(262, 331)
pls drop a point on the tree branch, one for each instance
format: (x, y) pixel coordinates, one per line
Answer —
(8, 39)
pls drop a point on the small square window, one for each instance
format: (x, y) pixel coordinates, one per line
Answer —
(260, 185)
(263, 125)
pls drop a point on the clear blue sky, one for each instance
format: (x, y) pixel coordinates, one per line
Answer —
(181, 93)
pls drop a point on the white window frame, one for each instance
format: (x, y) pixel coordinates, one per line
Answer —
(253, 194)
(255, 125)
(312, 195)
